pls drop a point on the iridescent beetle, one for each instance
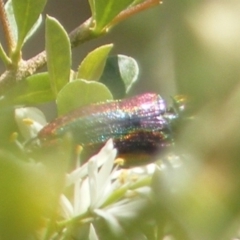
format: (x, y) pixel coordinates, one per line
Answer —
(140, 126)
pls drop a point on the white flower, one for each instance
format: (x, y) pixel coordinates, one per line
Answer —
(92, 233)
(30, 121)
(102, 190)
(91, 185)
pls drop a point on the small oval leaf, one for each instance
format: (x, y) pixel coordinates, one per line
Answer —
(58, 54)
(119, 74)
(93, 64)
(26, 13)
(79, 93)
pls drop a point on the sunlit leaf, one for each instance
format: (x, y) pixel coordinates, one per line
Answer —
(79, 93)
(26, 13)
(92, 66)
(58, 54)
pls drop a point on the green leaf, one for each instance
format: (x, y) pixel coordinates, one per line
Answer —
(79, 93)
(91, 3)
(13, 24)
(93, 64)
(104, 11)
(33, 90)
(26, 14)
(58, 50)
(119, 74)
(3, 55)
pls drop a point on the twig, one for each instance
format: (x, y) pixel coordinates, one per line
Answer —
(134, 9)
(81, 34)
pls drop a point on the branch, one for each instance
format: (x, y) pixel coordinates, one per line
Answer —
(7, 80)
(81, 34)
(134, 10)
(78, 36)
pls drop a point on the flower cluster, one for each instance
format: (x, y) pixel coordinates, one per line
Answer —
(98, 189)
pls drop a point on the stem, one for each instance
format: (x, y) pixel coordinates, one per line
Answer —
(7, 80)
(81, 34)
(134, 9)
(73, 220)
(6, 27)
(36, 62)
